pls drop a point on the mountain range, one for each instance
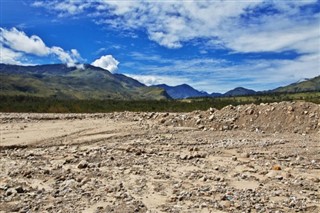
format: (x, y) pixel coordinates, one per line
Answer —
(182, 91)
(186, 91)
(62, 82)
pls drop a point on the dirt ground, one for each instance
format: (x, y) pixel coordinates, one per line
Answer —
(251, 158)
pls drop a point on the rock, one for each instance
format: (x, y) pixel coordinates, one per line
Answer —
(245, 155)
(225, 204)
(276, 167)
(290, 109)
(184, 157)
(225, 127)
(234, 158)
(83, 164)
(19, 189)
(11, 192)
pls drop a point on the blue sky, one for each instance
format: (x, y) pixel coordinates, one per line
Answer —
(211, 45)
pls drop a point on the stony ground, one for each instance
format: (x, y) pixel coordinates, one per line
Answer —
(249, 158)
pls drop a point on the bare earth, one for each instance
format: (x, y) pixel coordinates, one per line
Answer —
(249, 158)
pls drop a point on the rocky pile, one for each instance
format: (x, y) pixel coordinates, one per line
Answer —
(296, 117)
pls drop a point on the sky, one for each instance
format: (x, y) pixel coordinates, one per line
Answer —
(212, 45)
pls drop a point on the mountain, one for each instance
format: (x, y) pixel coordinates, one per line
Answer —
(182, 91)
(304, 85)
(186, 91)
(60, 81)
(239, 91)
(216, 94)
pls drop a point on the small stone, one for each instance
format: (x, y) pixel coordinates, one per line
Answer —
(276, 167)
(290, 109)
(200, 127)
(19, 189)
(234, 158)
(203, 205)
(245, 155)
(184, 156)
(83, 164)
(11, 192)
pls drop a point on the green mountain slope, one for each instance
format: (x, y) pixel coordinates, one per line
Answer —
(304, 86)
(62, 82)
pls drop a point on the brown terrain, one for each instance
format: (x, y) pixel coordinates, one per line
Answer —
(249, 158)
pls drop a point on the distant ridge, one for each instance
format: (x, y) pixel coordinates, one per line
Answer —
(62, 82)
(305, 85)
(239, 91)
(186, 91)
(182, 91)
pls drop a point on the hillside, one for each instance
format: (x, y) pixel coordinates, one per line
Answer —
(63, 82)
(304, 86)
(182, 91)
(239, 91)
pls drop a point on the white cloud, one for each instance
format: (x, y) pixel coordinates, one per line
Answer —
(70, 59)
(107, 62)
(16, 44)
(232, 24)
(303, 37)
(19, 41)
(159, 79)
(67, 7)
(8, 56)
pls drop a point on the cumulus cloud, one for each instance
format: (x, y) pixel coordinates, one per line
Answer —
(19, 41)
(7, 56)
(231, 24)
(16, 44)
(70, 59)
(107, 62)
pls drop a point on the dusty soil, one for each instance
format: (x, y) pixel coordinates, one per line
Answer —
(249, 158)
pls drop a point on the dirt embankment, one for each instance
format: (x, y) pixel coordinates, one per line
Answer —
(296, 117)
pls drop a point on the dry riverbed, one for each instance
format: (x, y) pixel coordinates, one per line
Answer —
(248, 158)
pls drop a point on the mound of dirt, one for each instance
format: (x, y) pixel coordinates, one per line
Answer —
(293, 117)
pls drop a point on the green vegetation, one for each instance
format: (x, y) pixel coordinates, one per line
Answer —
(60, 82)
(53, 105)
(305, 86)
